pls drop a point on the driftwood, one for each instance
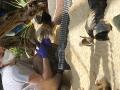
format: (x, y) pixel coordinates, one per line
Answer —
(22, 15)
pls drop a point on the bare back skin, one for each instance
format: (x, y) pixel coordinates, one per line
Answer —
(51, 83)
(46, 80)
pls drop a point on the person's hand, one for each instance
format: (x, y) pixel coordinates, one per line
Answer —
(46, 42)
(41, 51)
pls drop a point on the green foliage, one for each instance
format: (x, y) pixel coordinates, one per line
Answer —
(21, 2)
(25, 30)
(18, 52)
(17, 3)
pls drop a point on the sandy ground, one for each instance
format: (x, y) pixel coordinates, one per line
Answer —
(100, 60)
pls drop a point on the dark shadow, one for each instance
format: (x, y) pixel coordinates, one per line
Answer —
(76, 85)
(1, 86)
(79, 14)
(7, 7)
(112, 66)
(80, 61)
(98, 52)
(75, 76)
(116, 21)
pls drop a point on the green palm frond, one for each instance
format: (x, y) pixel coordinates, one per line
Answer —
(21, 2)
(25, 33)
(18, 52)
(25, 29)
(17, 3)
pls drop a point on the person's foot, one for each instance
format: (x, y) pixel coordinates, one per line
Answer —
(86, 41)
(101, 31)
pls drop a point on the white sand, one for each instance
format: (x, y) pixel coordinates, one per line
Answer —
(102, 59)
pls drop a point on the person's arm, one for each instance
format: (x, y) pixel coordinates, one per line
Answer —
(35, 78)
(42, 52)
(58, 11)
(47, 72)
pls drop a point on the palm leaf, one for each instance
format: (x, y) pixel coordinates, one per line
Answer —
(10, 3)
(17, 3)
(25, 29)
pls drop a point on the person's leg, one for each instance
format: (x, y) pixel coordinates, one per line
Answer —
(96, 27)
(47, 71)
(98, 6)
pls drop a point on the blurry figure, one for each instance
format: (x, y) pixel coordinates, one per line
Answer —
(20, 74)
(96, 23)
(96, 27)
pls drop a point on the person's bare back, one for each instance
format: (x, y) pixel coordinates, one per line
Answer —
(51, 83)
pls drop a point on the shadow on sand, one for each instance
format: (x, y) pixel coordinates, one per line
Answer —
(99, 52)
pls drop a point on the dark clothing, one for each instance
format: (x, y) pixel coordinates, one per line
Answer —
(98, 6)
(7, 7)
(1, 87)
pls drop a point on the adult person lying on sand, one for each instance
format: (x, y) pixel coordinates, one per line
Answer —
(21, 73)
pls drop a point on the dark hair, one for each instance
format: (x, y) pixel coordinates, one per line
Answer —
(45, 18)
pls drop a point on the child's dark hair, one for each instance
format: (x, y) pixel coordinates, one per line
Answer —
(45, 18)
